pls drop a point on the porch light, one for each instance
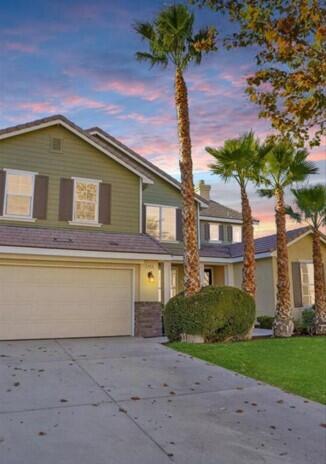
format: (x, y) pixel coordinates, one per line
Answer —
(150, 277)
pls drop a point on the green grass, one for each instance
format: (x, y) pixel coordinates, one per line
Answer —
(297, 365)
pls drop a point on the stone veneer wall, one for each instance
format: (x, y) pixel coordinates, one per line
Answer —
(148, 319)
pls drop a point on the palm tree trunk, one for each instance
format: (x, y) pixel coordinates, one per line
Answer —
(319, 282)
(249, 263)
(191, 253)
(283, 322)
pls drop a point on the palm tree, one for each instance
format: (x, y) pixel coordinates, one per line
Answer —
(283, 165)
(310, 203)
(171, 40)
(238, 160)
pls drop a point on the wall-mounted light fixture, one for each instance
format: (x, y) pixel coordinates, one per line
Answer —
(150, 277)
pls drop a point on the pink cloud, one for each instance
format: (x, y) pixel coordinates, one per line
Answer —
(130, 89)
(37, 107)
(20, 47)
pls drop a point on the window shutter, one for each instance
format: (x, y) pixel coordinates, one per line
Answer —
(221, 233)
(104, 216)
(2, 190)
(297, 290)
(179, 233)
(206, 232)
(230, 233)
(66, 199)
(144, 219)
(40, 197)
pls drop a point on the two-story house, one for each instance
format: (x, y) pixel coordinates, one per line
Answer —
(91, 235)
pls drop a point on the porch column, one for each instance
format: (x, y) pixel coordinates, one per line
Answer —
(166, 281)
(229, 275)
(202, 273)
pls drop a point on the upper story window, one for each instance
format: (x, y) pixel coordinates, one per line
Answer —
(237, 234)
(86, 201)
(225, 233)
(19, 194)
(161, 222)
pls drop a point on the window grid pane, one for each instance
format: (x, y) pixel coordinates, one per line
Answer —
(153, 221)
(168, 224)
(214, 232)
(307, 284)
(19, 195)
(86, 201)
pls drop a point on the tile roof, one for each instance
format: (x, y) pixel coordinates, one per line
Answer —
(216, 210)
(266, 244)
(65, 239)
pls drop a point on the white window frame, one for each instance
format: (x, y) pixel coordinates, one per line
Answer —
(160, 221)
(86, 221)
(17, 172)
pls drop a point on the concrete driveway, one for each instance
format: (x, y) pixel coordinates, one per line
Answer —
(134, 401)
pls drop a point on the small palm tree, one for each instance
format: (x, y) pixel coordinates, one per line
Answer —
(310, 205)
(283, 165)
(238, 159)
(171, 40)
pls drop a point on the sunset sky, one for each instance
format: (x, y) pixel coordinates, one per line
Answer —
(77, 58)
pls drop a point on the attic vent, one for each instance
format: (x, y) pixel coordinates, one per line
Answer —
(56, 144)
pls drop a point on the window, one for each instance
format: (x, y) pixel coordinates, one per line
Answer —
(214, 232)
(307, 284)
(173, 291)
(237, 234)
(19, 194)
(161, 222)
(225, 233)
(86, 193)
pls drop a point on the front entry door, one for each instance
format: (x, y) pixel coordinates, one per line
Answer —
(208, 280)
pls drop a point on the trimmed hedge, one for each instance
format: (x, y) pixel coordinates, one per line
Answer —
(215, 313)
(265, 322)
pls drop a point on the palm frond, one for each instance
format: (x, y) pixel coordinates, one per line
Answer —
(266, 192)
(152, 59)
(293, 214)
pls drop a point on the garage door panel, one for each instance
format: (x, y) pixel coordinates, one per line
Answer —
(43, 302)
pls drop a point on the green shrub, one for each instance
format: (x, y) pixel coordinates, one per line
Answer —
(265, 322)
(305, 324)
(215, 313)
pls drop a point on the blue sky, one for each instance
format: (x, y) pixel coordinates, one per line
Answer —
(77, 58)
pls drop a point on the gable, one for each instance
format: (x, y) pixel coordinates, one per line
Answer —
(31, 151)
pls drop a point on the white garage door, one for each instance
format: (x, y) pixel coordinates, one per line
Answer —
(53, 302)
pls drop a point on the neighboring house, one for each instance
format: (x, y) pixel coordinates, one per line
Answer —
(91, 236)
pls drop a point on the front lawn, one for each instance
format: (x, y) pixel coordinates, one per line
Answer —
(296, 365)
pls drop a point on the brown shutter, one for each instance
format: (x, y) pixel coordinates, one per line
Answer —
(179, 232)
(206, 232)
(105, 204)
(2, 190)
(40, 197)
(297, 290)
(221, 233)
(66, 199)
(230, 233)
(144, 219)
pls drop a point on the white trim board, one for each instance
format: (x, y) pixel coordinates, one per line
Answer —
(87, 139)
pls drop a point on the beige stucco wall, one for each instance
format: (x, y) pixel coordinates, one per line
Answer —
(148, 291)
(266, 274)
(265, 294)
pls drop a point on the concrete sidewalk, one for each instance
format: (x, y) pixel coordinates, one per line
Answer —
(132, 401)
